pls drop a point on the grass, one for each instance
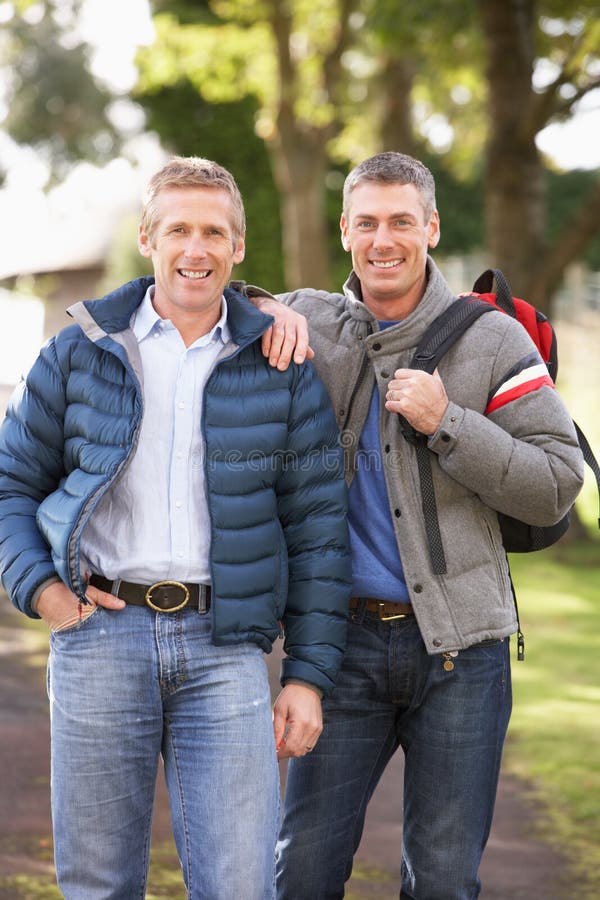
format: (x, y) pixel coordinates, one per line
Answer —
(554, 736)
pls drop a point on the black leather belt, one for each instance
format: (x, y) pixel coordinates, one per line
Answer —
(162, 596)
(385, 609)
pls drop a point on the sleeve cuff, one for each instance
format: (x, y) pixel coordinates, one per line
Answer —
(38, 591)
(305, 684)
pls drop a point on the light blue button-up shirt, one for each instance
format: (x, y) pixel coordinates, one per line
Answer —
(153, 524)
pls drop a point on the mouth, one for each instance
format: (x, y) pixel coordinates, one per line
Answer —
(194, 274)
(386, 263)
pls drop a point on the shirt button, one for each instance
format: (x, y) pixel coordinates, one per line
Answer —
(377, 346)
(397, 513)
(181, 405)
(437, 642)
(446, 438)
(418, 588)
(180, 555)
(387, 448)
(385, 374)
(178, 504)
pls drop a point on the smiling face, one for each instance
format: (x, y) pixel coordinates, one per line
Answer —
(385, 230)
(193, 251)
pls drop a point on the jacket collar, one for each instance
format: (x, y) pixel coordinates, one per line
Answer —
(112, 314)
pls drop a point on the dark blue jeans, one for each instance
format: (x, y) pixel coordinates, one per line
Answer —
(451, 723)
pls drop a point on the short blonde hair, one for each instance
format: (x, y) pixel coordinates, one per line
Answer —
(182, 171)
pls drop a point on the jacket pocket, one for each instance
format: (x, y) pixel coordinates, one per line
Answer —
(500, 566)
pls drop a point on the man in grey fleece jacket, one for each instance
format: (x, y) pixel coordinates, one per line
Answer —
(427, 666)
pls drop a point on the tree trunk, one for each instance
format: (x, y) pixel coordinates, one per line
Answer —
(577, 531)
(395, 87)
(299, 166)
(515, 201)
(514, 175)
(547, 271)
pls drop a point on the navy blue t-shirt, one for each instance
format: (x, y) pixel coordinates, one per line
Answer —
(376, 565)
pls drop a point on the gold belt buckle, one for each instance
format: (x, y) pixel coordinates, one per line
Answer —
(170, 609)
(389, 618)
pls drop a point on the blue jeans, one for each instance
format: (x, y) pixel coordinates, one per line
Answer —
(126, 687)
(450, 722)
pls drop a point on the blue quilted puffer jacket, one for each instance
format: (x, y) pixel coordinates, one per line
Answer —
(274, 470)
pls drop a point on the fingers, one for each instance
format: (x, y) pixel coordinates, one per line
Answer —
(420, 397)
(265, 344)
(297, 721)
(297, 743)
(289, 340)
(101, 598)
(281, 347)
(60, 608)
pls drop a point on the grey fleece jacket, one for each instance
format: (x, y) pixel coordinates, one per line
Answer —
(522, 459)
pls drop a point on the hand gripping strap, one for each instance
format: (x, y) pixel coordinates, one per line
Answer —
(436, 341)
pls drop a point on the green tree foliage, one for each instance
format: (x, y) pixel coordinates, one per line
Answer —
(541, 59)
(190, 126)
(288, 57)
(123, 259)
(567, 192)
(289, 94)
(54, 102)
(454, 82)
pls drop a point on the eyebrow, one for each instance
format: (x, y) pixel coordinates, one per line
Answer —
(181, 223)
(396, 215)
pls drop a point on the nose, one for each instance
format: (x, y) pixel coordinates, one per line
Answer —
(195, 247)
(382, 239)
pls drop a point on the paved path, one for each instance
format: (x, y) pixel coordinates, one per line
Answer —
(517, 866)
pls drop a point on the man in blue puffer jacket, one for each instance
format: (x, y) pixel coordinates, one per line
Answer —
(170, 504)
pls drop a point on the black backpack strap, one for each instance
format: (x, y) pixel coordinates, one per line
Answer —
(446, 330)
(429, 506)
(435, 342)
(588, 455)
(439, 338)
(485, 285)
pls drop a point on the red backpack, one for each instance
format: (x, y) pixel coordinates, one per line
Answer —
(518, 537)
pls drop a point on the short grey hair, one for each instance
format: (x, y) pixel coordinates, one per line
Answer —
(393, 168)
(184, 171)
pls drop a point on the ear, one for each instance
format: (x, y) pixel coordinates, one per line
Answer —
(239, 251)
(434, 230)
(344, 233)
(144, 243)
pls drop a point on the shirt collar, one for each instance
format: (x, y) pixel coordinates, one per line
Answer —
(145, 319)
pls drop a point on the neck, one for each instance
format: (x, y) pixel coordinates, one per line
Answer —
(393, 309)
(191, 324)
(191, 331)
